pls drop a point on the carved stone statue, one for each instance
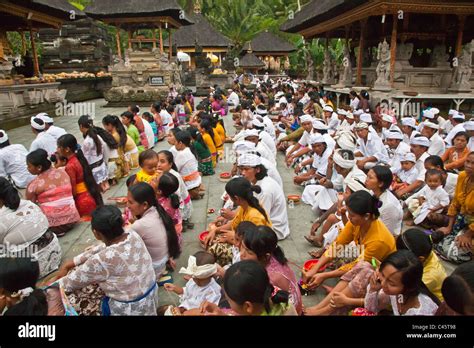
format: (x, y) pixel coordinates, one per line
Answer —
(439, 57)
(309, 64)
(328, 68)
(383, 67)
(345, 78)
(462, 70)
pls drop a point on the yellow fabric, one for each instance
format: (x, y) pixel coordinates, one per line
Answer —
(252, 215)
(144, 177)
(130, 144)
(81, 188)
(463, 201)
(221, 131)
(210, 144)
(434, 275)
(378, 243)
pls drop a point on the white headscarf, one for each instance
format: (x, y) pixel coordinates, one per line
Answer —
(343, 162)
(198, 272)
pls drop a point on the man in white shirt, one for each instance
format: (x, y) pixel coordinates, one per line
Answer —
(397, 149)
(233, 99)
(321, 128)
(253, 136)
(272, 197)
(419, 147)
(51, 129)
(13, 162)
(437, 147)
(388, 125)
(408, 129)
(469, 126)
(371, 148)
(269, 126)
(301, 147)
(458, 126)
(266, 138)
(43, 140)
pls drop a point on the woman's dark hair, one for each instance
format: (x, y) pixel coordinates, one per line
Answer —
(417, 241)
(147, 116)
(117, 124)
(156, 106)
(462, 134)
(107, 138)
(68, 141)
(354, 94)
(108, 221)
(197, 137)
(170, 158)
(241, 187)
(262, 241)
(143, 192)
(364, 94)
(16, 274)
(206, 124)
(412, 273)
(458, 289)
(243, 227)
(168, 186)
(435, 161)
(145, 156)
(134, 108)
(87, 122)
(39, 158)
(384, 175)
(9, 194)
(262, 173)
(362, 202)
(130, 116)
(248, 281)
(183, 137)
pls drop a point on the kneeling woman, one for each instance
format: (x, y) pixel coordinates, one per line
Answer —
(187, 164)
(52, 191)
(85, 190)
(121, 266)
(24, 230)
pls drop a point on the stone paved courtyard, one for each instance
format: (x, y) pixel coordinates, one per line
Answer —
(300, 216)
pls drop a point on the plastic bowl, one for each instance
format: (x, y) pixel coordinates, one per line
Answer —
(225, 175)
(203, 235)
(310, 264)
(294, 198)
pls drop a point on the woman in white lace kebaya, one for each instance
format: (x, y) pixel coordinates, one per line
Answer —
(121, 266)
(398, 285)
(24, 230)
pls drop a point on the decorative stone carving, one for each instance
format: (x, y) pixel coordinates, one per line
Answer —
(404, 53)
(439, 57)
(462, 70)
(345, 77)
(328, 68)
(383, 67)
(309, 63)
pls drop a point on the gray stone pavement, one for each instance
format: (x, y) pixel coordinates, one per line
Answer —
(300, 216)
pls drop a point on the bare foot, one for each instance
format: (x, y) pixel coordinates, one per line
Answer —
(316, 254)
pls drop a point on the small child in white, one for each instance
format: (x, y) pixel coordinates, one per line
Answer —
(200, 288)
(430, 199)
(406, 174)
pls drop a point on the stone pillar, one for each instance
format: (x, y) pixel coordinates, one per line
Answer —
(117, 40)
(360, 55)
(393, 48)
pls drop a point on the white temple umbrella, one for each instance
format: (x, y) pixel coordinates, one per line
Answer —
(184, 57)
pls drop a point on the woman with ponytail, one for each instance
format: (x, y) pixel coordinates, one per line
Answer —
(85, 190)
(24, 230)
(261, 244)
(128, 120)
(202, 151)
(127, 150)
(372, 238)
(421, 244)
(249, 292)
(167, 196)
(127, 283)
(94, 152)
(212, 139)
(187, 165)
(154, 225)
(219, 239)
